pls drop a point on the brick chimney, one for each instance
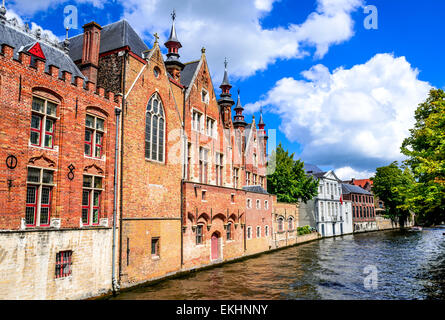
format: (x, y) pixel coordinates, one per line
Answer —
(90, 51)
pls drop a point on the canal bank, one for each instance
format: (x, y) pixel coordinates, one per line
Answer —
(409, 265)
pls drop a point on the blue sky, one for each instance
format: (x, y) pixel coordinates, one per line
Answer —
(339, 95)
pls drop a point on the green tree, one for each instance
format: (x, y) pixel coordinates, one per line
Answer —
(394, 185)
(425, 148)
(289, 180)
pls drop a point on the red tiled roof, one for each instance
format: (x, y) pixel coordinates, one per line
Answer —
(361, 182)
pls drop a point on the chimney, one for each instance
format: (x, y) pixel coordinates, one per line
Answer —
(90, 51)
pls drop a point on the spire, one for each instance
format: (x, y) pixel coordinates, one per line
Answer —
(239, 117)
(174, 66)
(3, 12)
(173, 37)
(226, 76)
(261, 124)
(226, 102)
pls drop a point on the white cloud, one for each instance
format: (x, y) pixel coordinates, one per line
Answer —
(354, 117)
(27, 7)
(347, 173)
(10, 14)
(233, 29)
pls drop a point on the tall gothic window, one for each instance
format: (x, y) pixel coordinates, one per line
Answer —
(154, 130)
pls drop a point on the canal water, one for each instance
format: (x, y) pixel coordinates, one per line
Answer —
(401, 264)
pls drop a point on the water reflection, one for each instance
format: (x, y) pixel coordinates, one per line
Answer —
(411, 265)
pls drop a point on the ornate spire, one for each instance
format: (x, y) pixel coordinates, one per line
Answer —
(239, 117)
(174, 66)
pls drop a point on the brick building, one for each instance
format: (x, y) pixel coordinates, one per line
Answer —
(101, 126)
(57, 151)
(367, 185)
(363, 212)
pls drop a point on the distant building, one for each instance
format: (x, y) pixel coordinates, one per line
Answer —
(363, 212)
(327, 211)
(367, 185)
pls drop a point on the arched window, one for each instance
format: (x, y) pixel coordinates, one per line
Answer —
(291, 223)
(280, 224)
(155, 129)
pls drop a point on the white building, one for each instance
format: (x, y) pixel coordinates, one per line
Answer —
(332, 216)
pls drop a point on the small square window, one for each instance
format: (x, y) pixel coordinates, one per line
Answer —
(232, 198)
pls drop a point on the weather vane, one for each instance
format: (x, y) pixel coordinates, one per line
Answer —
(174, 14)
(225, 63)
(156, 37)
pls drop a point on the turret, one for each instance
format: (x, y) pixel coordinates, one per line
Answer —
(173, 65)
(226, 102)
(238, 120)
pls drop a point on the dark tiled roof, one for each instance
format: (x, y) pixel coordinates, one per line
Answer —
(188, 73)
(312, 167)
(54, 56)
(113, 36)
(349, 188)
(257, 189)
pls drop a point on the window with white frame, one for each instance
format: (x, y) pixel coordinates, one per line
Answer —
(199, 234)
(204, 96)
(91, 198)
(249, 232)
(219, 168)
(266, 204)
(39, 186)
(266, 231)
(254, 179)
(258, 204)
(291, 223)
(94, 136)
(210, 127)
(249, 203)
(197, 121)
(43, 119)
(203, 164)
(258, 232)
(247, 178)
(155, 129)
(235, 177)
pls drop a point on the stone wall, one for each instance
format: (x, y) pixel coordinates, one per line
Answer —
(28, 260)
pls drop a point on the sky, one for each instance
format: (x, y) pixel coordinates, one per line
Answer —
(339, 94)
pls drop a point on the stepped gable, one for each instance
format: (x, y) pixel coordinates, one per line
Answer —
(23, 41)
(112, 36)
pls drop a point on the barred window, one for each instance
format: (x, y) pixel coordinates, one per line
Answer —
(203, 164)
(155, 246)
(235, 177)
(219, 168)
(63, 264)
(155, 129)
(38, 197)
(43, 121)
(91, 194)
(280, 224)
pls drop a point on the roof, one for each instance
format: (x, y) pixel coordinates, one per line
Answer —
(23, 41)
(257, 189)
(188, 72)
(350, 188)
(112, 36)
(312, 168)
(361, 182)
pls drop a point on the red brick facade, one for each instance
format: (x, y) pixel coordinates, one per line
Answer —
(20, 83)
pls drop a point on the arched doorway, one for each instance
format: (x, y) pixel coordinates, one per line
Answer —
(215, 248)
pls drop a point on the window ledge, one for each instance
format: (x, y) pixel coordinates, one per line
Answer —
(155, 161)
(93, 158)
(155, 257)
(55, 149)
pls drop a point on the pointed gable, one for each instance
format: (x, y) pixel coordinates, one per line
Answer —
(36, 50)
